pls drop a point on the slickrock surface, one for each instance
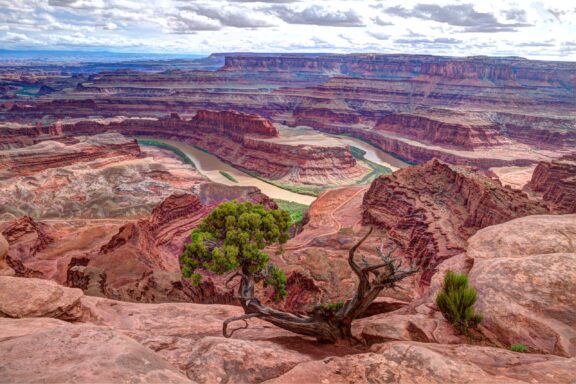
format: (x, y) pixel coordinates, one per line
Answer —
(80, 354)
(117, 341)
(525, 273)
(401, 362)
(556, 180)
(240, 360)
(430, 210)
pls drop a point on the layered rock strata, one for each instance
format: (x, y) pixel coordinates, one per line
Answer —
(239, 139)
(522, 110)
(556, 181)
(430, 210)
(54, 154)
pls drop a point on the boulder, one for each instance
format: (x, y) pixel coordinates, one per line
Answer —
(427, 328)
(530, 235)
(529, 300)
(525, 274)
(23, 297)
(70, 353)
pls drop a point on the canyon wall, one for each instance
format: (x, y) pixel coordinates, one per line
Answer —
(435, 131)
(431, 209)
(377, 65)
(240, 139)
(60, 153)
(556, 181)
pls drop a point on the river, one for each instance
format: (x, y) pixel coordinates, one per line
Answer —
(211, 166)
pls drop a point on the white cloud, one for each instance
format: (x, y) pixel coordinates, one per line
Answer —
(459, 27)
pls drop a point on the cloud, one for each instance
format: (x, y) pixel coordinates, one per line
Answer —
(515, 15)
(560, 13)
(379, 35)
(12, 37)
(379, 21)
(317, 15)
(460, 15)
(190, 22)
(536, 44)
(439, 40)
(231, 16)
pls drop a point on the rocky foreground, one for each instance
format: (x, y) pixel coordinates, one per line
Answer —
(524, 271)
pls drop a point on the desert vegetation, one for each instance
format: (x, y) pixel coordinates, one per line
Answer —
(519, 347)
(296, 210)
(456, 302)
(231, 240)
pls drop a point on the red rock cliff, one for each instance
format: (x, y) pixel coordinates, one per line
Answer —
(226, 122)
(435, 131)
(556, 180)
(237, 139)
(490, 68)
(431, 209)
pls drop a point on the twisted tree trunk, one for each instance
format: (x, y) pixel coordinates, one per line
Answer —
(323, 324)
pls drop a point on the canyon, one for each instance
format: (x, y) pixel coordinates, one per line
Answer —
(456, 164)
(470, 111)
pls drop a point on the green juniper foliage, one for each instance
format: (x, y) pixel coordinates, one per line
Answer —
(456, 300)
(232, 237)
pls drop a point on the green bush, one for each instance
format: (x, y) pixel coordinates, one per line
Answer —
(297, 210)
(519, 348)
(232, 238)
(456, 300)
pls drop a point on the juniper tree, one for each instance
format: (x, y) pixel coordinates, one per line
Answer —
(231, 239)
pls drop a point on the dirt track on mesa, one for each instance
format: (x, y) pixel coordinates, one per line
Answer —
(332, 216)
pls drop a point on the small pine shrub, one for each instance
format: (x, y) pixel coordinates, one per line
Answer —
(519, 348)
(456, 300)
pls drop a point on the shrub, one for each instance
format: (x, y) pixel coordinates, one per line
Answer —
(519, 348)
(456, 300)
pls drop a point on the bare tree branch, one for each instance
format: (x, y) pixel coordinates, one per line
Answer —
(237, 318)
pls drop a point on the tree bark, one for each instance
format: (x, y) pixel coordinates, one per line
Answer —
(324, 324)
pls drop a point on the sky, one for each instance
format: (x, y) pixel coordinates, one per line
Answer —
(532, 29)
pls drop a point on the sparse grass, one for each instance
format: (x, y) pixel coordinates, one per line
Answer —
(181, 155)
(519, 347)
(297, 210)
(228, 176)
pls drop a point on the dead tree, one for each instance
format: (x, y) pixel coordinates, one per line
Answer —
(325, 324)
